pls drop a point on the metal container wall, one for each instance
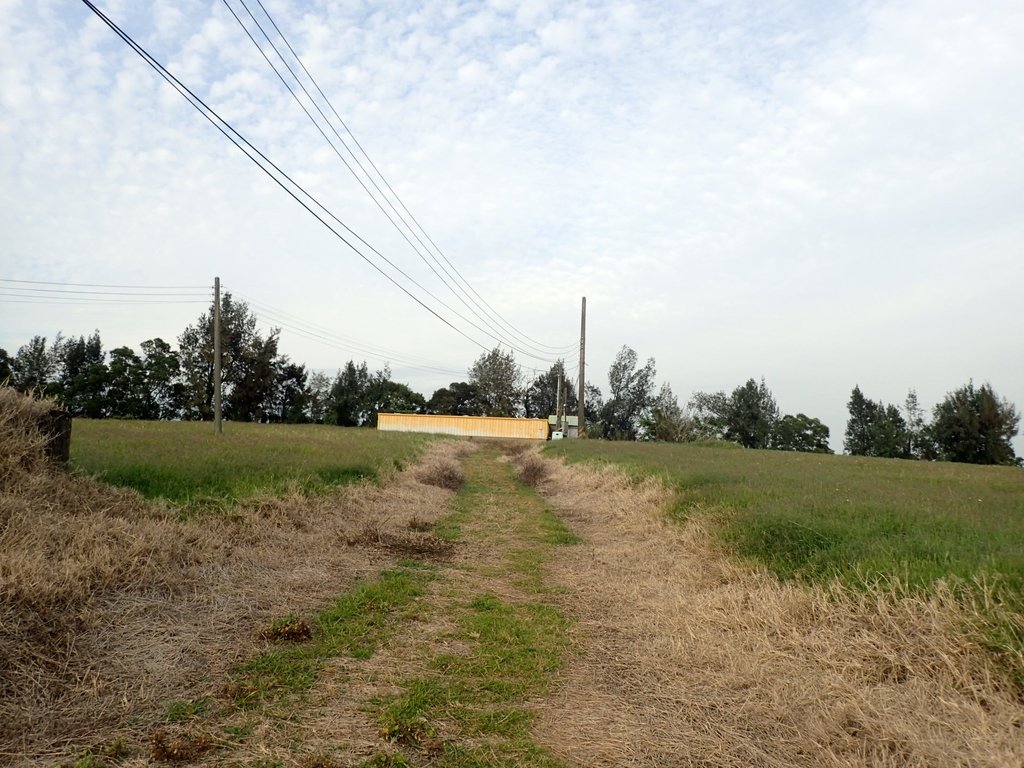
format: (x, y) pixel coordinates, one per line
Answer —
(464, 426)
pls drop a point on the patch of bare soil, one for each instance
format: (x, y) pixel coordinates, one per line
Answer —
(110, 609)
(687, 658)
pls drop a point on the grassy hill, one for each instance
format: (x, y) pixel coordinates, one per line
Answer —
(902, 525)
(186, 463)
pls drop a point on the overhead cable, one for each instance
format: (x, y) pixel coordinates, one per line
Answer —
(289, 185)
(448, 278)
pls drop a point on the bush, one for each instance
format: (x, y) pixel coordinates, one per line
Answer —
(532, 471)
(442, 474)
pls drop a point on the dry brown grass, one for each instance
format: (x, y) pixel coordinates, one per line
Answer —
(441, 472)
(531, 469)
(403, 543)
(690, 659)
(110, 608)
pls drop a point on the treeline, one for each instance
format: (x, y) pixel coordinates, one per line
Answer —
(972, 424)
(160, 381)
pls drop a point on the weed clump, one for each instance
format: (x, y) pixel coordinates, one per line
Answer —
(443, 473)
(417, 523)
(404, 544)
(288, 629)
(532, 471)
(182, 748)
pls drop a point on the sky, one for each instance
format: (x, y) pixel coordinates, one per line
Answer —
(822, 194)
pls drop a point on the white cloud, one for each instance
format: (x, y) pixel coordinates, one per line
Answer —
(824, 197)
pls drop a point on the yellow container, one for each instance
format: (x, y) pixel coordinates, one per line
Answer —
(464, 426)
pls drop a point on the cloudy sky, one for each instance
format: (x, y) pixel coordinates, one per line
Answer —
(822, 194)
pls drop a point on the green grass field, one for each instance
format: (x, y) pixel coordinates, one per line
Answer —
(906, 526)
(187, 464)
(861, 520)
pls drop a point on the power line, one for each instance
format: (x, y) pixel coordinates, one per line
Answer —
(544, 349)
(295, 189)
(315, 332)
(19, 298)
(496, 333)
(98, 285)
(102, 293)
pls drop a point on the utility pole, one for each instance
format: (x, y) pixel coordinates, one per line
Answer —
(581, 430)
(560, 403)
(218, 427)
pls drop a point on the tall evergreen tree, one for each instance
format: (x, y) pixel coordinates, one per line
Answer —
(975, 425)
(6, 369)
(82, 376)
(916, 430)
(348, 394)
(752, 415)
(35, 366)
(666, 421)
(859, 439)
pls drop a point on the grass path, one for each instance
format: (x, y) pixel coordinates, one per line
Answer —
(430, 663)
(460, 691)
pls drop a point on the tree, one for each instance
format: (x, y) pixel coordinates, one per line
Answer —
(801, 433)
(631, 395)
(319, 395)
(291, 395)
(666, 421)
(889, 434)
(348, 394)
(711, 413)
(165, 392)
(82, 376)
(975, 425)
(540, 398)
(6, 370)
(459, 398)
(127, 392)
(858, 439)
(253, 379)
(383, 394)
(35, 366)
(593, 407)
(918, 444)
(249, 363)
(752, 415)
(875, 429)
(497, 378)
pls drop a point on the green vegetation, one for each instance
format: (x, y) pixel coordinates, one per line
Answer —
(178, 711)
(906, 525)
(187, 464)
(861, 520)
(355, 625)
(467, 707)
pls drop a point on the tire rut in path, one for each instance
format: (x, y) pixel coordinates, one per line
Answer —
(460, 685)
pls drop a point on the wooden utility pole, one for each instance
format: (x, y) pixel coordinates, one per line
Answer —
(218, 427)
(581, 430)
(560, 403)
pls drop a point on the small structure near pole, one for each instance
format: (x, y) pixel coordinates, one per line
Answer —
(570, 428)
